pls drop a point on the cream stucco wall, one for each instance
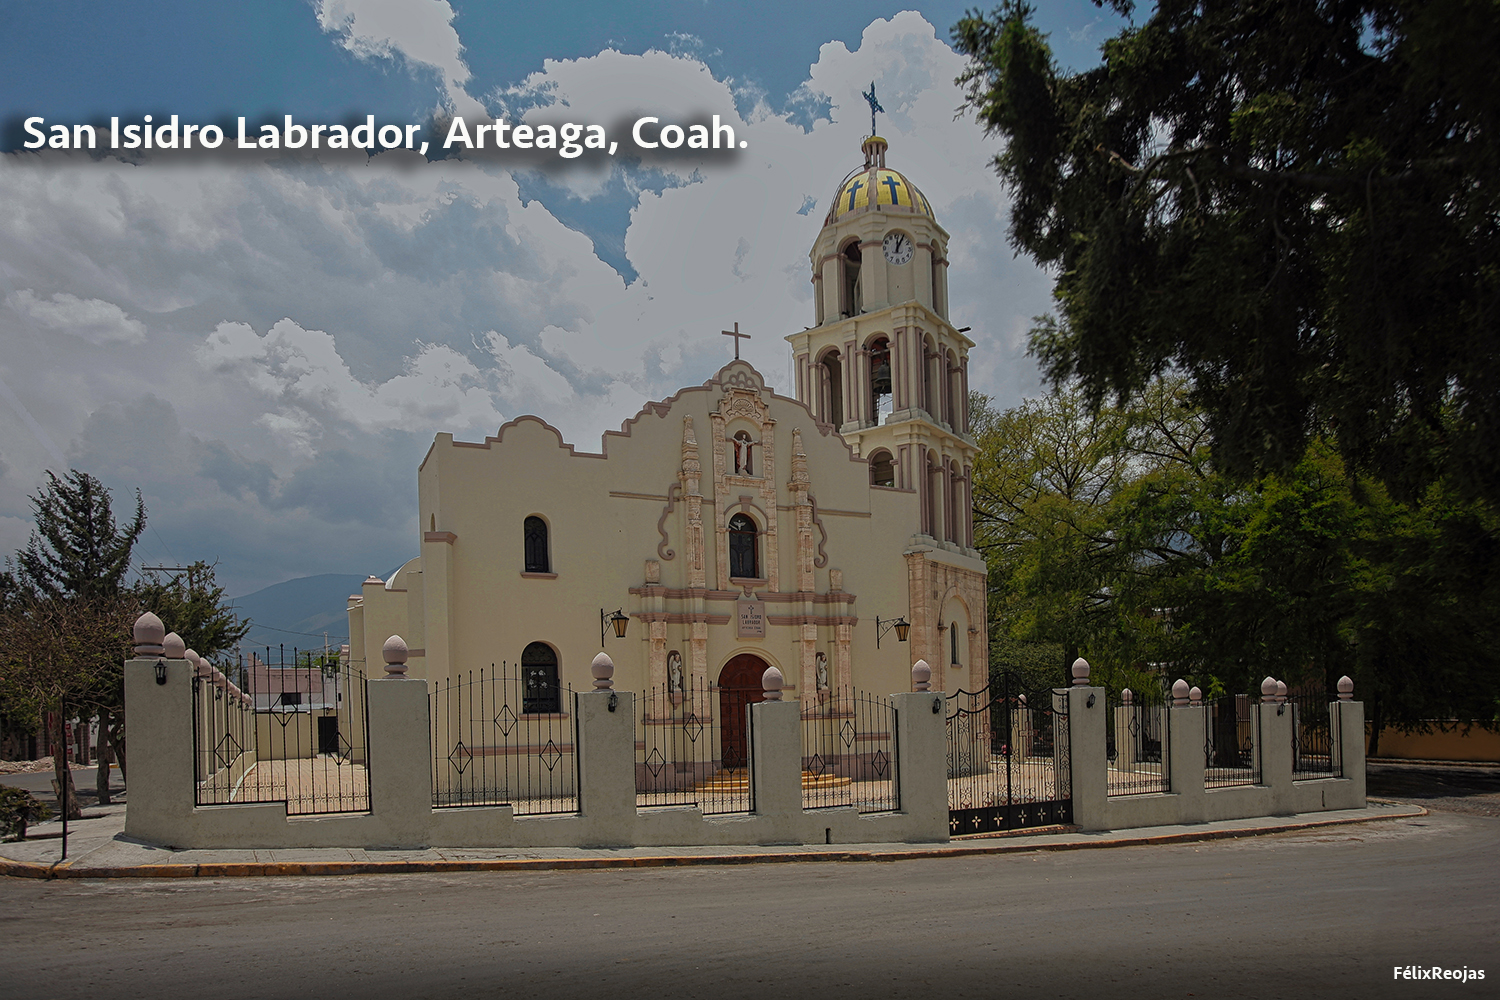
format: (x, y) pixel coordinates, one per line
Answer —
(466, 604)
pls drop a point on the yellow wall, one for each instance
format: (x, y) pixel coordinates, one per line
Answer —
(1449, 742)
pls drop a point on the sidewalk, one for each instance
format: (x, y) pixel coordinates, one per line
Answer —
(98, 848)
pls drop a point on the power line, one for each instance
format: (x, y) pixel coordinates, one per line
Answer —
(315, 635)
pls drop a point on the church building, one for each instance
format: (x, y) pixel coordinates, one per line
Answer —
(734, 528)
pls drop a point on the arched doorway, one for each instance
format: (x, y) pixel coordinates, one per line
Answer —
(739, 686)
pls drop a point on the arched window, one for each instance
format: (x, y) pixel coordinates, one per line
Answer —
(539, 685)
(880, 378)
(742, 561)
(853, 303)
(953, 642)
(833, 393)
(538, 555)
(882, 469)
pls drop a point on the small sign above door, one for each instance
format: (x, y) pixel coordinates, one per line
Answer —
(751, 618)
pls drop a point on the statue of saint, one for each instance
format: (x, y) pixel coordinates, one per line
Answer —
(742, 448)
(822, 660)
(674, 672)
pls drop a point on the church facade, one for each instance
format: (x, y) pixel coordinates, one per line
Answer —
(737, 528)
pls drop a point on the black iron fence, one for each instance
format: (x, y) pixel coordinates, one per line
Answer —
(693, 748)
(504, 737)
(1008, 758)
(1136, 743)
(849, 752)
(1231, 741)
(1315, 738)
(273, 730)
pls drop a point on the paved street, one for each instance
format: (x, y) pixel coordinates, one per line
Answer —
(1317, 913)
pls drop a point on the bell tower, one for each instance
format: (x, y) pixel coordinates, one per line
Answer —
(884, 366)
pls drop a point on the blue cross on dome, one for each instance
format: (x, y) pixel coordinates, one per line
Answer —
(892, 184)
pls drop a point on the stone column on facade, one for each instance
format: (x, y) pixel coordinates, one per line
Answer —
(850, 373)
(808, 667)
(963, 401)
(862, 387)
(658, 664)
(898, 369)
(843, 663)
(768, 498)
(698, 654)
(916, 352)
(968, 519)
(802, 507)
(922, 270)
(692, 488)
(918, 586)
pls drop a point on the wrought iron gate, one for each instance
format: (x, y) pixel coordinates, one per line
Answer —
(1008, 758)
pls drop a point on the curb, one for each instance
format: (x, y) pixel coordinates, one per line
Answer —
(252, 869)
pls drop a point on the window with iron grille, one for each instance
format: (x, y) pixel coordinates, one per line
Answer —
(742, 561)
(539, 681)
(538, 558)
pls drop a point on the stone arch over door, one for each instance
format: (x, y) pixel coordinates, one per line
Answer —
(739, 687)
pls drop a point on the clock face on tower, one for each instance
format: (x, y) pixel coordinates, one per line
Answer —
(898, 248)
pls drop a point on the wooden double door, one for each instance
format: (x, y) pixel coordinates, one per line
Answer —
(739, 687)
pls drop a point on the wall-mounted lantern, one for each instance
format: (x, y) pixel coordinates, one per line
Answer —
(619, 620)
(884, 625)
(161, 671)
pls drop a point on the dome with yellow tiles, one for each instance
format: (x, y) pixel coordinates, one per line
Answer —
(877, 186)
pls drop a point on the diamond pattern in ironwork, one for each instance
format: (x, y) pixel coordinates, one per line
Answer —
(692, 727)
(227, 750)
(550, 755)
(817, 765)
(460, 757)
(847, 733)
(879, 763)
(655, 762)
(505, 720)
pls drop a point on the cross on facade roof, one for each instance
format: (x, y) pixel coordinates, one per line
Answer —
(735, 333)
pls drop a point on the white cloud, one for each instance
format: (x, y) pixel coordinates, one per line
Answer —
(422, 33)
(95, 320)
(312, 325)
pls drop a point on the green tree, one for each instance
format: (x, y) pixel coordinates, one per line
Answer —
(77, 550)
(1291, 202)
(72, 575)
(192, 604)
(1111, 533)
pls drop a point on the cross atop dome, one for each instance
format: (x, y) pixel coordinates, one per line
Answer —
(874, 105)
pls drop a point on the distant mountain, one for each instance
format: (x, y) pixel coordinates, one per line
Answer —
(298, 612)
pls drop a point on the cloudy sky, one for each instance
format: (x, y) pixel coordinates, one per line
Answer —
(265, 343)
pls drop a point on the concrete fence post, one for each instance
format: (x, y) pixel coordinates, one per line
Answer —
(1185, 759)
(400, 750)
(161, 749)
(1350, 716)
(1274, 745)
(606, 758)
(922, 761)
(776, 752)
(1088, 747)
(606, 765)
